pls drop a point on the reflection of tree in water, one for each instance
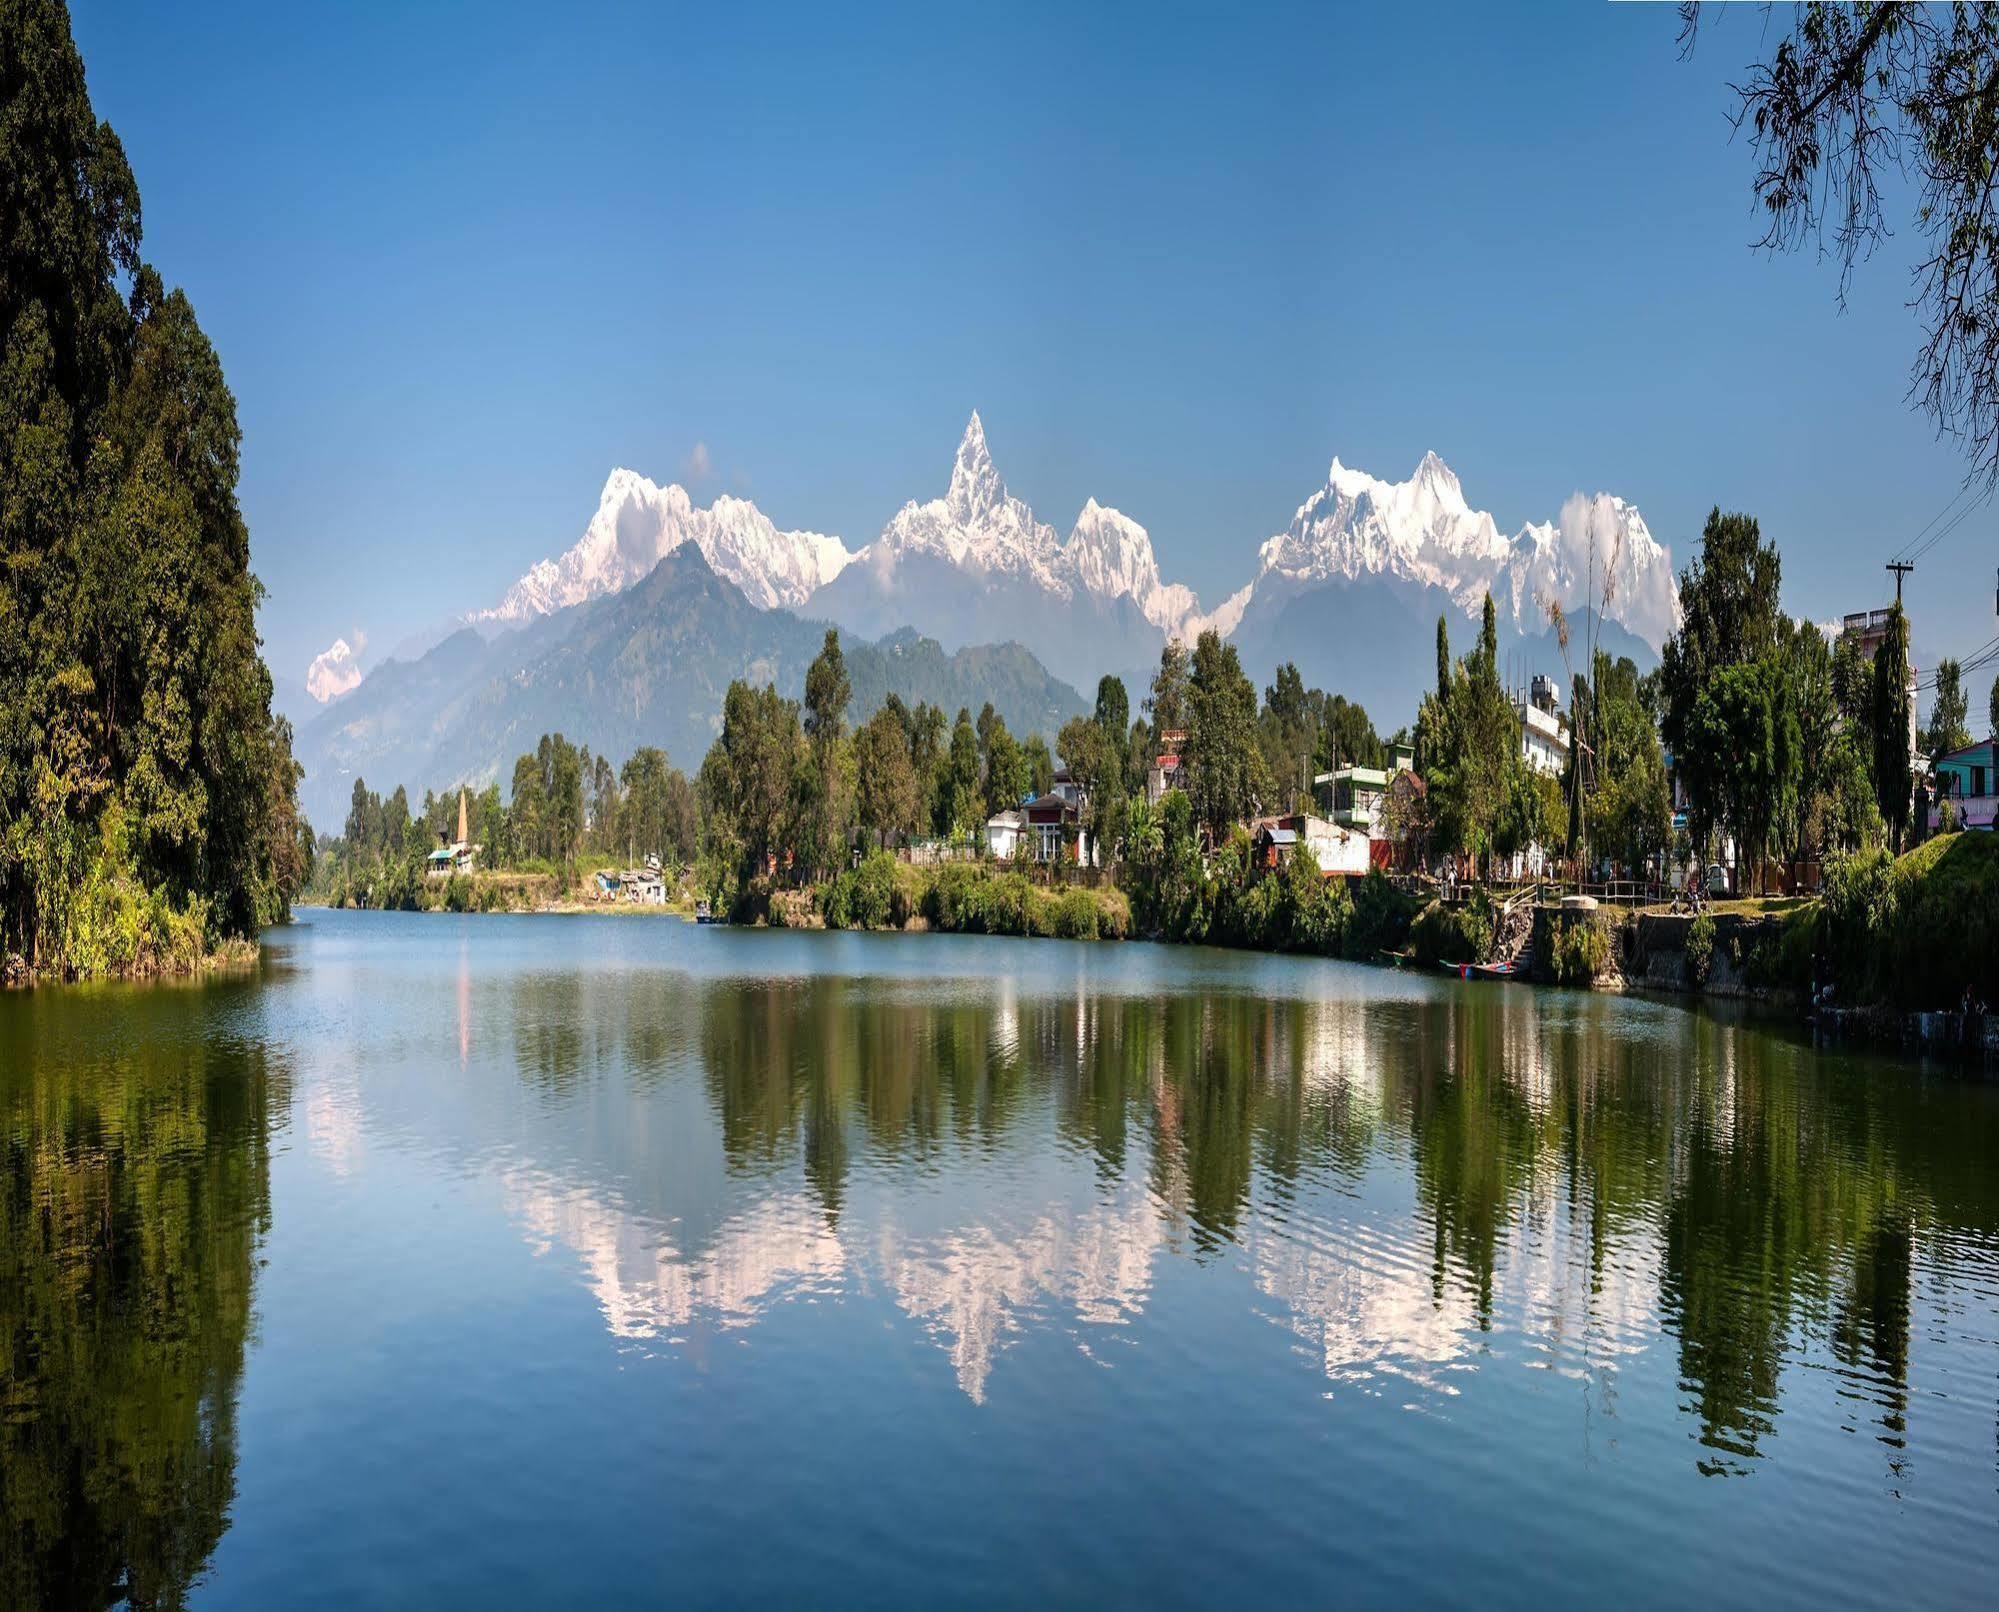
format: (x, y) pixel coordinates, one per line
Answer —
(1871, 1324)
(1475, 1147)
(554, 1029)
(133, 1194)
(1744, 1178)
(1792, 1182)
(791, 1065)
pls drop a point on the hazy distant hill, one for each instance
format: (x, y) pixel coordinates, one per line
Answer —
(648, 665)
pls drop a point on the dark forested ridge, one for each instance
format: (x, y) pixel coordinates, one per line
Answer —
(646, 666)
(147, 793)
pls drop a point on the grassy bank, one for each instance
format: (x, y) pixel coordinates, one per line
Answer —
(477, 892)
(959, 898)
(1295, 910)
(1914, 932)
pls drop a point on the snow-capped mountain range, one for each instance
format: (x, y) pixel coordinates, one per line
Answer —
(638, 524)
(981, 529)
(1422, 531)
(977, 565)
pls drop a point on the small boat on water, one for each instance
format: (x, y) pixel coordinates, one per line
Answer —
(702, 913)
(1480, 971)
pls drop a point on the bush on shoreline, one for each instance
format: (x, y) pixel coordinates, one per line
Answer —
(1700, 950)
(1454, 934)
(1915, 932)
(1581, 949)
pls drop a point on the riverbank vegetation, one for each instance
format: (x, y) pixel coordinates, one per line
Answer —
(148, 796)
(796, 818)
(1789, 752)
(1916, 931)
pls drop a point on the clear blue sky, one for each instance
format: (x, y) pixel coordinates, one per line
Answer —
(460, 262)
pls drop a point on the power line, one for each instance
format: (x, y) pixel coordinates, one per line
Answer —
(1984, 655)
(1943, 531)
(1964, 492)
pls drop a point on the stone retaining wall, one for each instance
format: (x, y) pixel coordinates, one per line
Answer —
(1655, 951)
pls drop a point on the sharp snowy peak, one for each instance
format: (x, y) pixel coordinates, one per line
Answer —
(983, 529)
(1599, 552)
(977, 525)
(638, 523)
(1423, 531)
(334, 671)
(1420, 530)
(1110, 556)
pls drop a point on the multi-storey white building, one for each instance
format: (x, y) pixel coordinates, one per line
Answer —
(1544, 729)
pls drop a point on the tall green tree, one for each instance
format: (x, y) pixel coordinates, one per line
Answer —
(1469, 747)
(1729, 617)
(1948, 730)
(1097, 769)
(929, 732)
(959, 792)
(1040, 765)
(822, 784)
(1346, 736)
(1750, 716)
(526, 808)
(130, 677)
(1894, 780)
(1226, 777)
(1630, 806)
(1289, 732)
(1007, 770)
(1167, 703)
(650, 816)
(1816, 822)
(1113, 710)
(747, 778)
(886, 797)
(559, 767)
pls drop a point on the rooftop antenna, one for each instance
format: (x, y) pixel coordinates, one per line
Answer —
(1901, 568)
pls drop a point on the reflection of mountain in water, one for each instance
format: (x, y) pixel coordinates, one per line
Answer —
(649, 1288)
(134, 1191)
(1427, 1187)
(973, 1288)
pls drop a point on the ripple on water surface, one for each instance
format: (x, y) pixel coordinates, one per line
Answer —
(558, 1260)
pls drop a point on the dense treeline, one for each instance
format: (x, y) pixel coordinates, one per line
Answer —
(567, 807)
(789, 795)
(148, 797)
(1789, 745)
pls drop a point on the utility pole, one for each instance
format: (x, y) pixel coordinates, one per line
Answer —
(1901, 568)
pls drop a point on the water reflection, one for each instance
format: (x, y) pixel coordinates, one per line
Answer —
(134, 1192)
(1270, 1207)
(1424, 1188)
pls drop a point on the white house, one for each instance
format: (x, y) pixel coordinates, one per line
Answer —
(1004, 832)
(1335, 849)
(1544, 730)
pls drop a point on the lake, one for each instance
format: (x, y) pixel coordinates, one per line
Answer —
(559, 1261)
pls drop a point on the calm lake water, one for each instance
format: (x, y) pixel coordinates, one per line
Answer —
(507, 1261)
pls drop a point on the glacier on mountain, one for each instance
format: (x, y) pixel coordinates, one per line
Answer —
(1422, 533)
(336, 669)
(978, 560)
(981, 528)
(638, 524)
